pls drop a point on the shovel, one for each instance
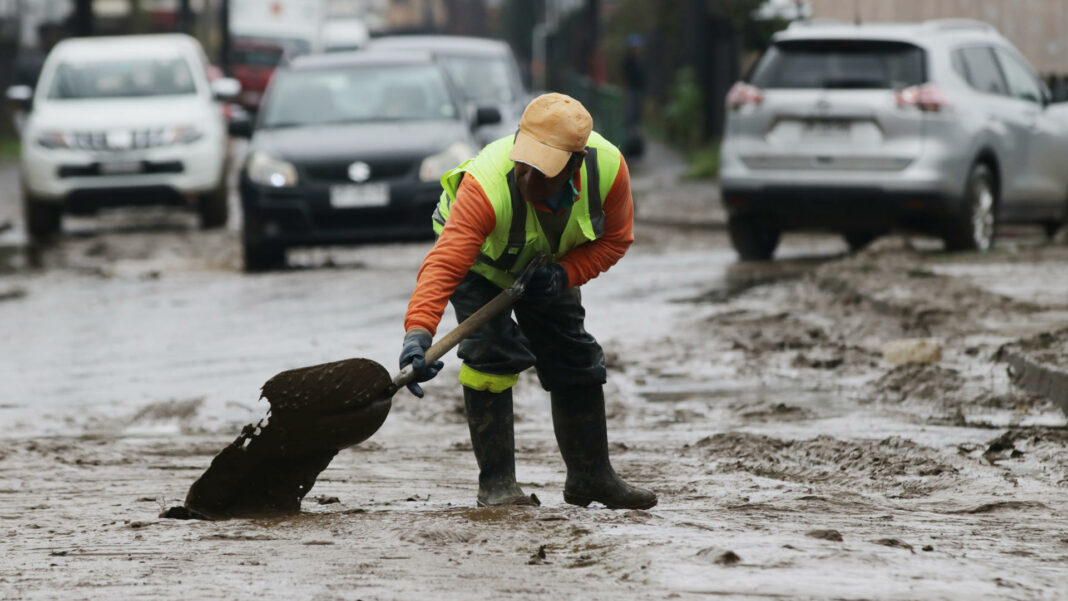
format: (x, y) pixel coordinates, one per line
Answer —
(314, 412)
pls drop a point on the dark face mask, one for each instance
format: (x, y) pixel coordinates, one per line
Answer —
(564, 198)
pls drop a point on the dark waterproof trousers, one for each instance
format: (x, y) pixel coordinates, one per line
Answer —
(550, 336)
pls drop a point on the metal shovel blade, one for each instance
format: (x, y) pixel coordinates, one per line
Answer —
(315, 412)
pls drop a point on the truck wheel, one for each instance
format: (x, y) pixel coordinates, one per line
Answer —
(973, 228)
(44, 219)
(213, 208)
(858, 240)
(753, 240)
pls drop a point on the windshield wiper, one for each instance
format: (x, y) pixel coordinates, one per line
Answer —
(857, 84)
(286, 125)
(290, 124)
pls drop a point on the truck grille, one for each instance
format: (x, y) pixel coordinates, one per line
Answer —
(121, 140)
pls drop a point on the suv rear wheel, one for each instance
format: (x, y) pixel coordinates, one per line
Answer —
(858, 240)
(753, 240)
(43, 219)
(973, 228)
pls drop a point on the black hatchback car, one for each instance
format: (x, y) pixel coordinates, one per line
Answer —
(350, 148)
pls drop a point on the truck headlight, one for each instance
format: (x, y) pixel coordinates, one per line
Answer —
(435, 166)
(268, 171)
(183, 134)
(53, 139)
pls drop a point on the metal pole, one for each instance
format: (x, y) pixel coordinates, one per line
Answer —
(224, 36)
(185, 16)
(83, 17)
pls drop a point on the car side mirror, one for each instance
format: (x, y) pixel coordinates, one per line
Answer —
(487, 115)
(239, 123)
(225, 89)
(20, 96)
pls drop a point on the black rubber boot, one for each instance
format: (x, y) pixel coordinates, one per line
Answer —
(582, 433)
(489, 416)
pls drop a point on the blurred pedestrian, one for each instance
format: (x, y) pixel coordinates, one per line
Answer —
(634, 89)
(554, 187)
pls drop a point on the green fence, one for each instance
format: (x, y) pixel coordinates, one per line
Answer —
(605, 103)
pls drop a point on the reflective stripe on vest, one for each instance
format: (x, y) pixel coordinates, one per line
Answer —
(593, 183)
(517, 232)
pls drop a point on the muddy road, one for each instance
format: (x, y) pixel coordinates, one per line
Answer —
(792, 460)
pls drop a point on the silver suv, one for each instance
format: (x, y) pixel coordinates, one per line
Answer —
(940, 127)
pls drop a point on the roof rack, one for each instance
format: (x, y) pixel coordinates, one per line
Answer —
(958, 24)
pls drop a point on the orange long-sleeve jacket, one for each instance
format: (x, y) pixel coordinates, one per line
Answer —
(471, 221)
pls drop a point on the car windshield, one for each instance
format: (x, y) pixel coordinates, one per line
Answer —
(859, 64)
(359, 94)
(481, 78)
(122, 79)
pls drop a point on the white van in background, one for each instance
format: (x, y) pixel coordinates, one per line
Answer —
(341, 35)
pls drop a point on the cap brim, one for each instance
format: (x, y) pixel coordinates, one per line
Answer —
(547, 159)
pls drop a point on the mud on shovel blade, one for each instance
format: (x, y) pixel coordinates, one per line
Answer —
(314, 412)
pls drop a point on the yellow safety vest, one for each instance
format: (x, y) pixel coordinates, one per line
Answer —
(518, 236)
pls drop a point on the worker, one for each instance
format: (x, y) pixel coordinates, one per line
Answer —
(555, 187)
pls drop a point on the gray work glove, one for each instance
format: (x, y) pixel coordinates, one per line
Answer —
(413, 353)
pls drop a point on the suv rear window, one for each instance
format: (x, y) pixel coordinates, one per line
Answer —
(840, 64)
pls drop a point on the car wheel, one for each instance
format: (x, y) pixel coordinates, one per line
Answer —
(973, 228)
(858, 240)
(260, 254)
(43, 219)
(753, 240)
(264, 257)
(1050, 228)
(214, 207)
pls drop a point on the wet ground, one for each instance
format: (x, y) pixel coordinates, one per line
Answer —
(792, 460)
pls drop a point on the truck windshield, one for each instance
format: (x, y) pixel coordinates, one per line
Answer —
(829, 64)
(358, 94)
(122, 79)
(483, 78)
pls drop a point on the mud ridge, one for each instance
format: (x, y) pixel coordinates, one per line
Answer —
(896, 466)
(898, 285)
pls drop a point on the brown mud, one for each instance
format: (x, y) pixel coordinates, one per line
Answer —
(791, 461)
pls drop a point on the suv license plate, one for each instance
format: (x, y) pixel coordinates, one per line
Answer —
(121, 167)
(826, 129)
(353, 196)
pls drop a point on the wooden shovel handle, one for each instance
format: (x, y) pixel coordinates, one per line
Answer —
(500, 303)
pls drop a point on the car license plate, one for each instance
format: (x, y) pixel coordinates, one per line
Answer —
(826, 129)
(121, 167)
(364, 195)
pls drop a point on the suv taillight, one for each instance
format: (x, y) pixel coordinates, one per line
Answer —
(926, 97)
(742, 94)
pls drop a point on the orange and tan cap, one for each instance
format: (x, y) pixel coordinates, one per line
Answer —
(552, 127)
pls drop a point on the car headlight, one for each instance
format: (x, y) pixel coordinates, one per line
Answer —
(435, 166)
(53, 139)
(268, 171)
